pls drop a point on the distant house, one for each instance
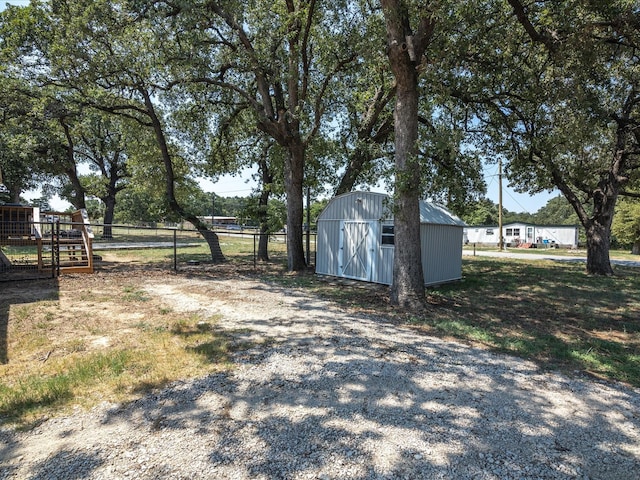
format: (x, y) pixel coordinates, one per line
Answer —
(356, 239)
(524, 233)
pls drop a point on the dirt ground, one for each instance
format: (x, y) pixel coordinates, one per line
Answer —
(319, 389)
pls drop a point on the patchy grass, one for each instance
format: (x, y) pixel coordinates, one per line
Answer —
(85, 347)
(545, 311)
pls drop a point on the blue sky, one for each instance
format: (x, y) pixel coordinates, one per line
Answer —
(20, 3)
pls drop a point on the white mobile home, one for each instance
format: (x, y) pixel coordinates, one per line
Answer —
(524, 233)
(356, 240)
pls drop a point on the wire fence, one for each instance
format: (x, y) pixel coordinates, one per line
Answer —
(163, 247)
(28, 251)
(123, 247)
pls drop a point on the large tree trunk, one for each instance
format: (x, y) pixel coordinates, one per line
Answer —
(294, 174)
(263, 208)
(635, 249)
(598, 244)
(597, 225)
(263, 244)
(408, 280)
(598, 229)
(210, 236)
(405, 52)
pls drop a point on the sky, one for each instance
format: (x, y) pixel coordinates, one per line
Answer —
(18, 3)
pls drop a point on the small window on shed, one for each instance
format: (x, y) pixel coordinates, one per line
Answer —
(388, 235)
(489, 231)
(516, 232)
(509, 232)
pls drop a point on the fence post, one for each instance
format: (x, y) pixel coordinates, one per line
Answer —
(56, 265)
(175, 250)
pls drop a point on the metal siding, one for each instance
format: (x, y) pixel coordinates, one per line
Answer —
(441, 244)
(356, 206)
(385, 266)
(328, 248)
(441, 247)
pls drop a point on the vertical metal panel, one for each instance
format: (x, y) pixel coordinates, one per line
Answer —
(356, 206)
(328, 248)
(385, 266)
(441, 253)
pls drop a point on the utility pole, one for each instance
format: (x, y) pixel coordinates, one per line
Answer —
(501, 240)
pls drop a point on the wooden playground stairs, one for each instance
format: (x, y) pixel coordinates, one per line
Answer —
(65, 235)
(74, 255)
(74, 246)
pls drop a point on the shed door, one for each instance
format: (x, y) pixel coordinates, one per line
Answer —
(355, 246)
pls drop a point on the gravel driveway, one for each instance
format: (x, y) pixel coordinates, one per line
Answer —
(329, 395)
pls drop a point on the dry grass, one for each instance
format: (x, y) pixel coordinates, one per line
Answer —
(89, 338)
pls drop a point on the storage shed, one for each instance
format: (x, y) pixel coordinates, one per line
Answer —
(356, 240)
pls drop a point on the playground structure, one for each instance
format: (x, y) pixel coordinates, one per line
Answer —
(55, 242)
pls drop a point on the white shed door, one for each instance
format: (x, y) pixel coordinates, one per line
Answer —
(355, 246)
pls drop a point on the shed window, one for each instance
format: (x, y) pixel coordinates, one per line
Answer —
(509, 232)
(489, 231)
(388, 235)
(516, 232)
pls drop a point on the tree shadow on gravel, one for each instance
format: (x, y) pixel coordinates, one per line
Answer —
(352, 397)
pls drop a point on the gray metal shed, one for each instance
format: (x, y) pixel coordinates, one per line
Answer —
(356, 240)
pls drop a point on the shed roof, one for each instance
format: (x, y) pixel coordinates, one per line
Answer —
(373, 205)
(437, 214)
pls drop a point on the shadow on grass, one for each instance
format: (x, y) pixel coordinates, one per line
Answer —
(552, 313)
(348, 396)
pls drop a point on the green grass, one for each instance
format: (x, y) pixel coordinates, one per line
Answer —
(545, 311)
(548, 312)
(236, 249)
(35, 392)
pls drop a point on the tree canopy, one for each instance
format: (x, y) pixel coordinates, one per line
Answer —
(324, 97)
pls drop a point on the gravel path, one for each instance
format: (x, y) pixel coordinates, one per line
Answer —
(326, 395)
